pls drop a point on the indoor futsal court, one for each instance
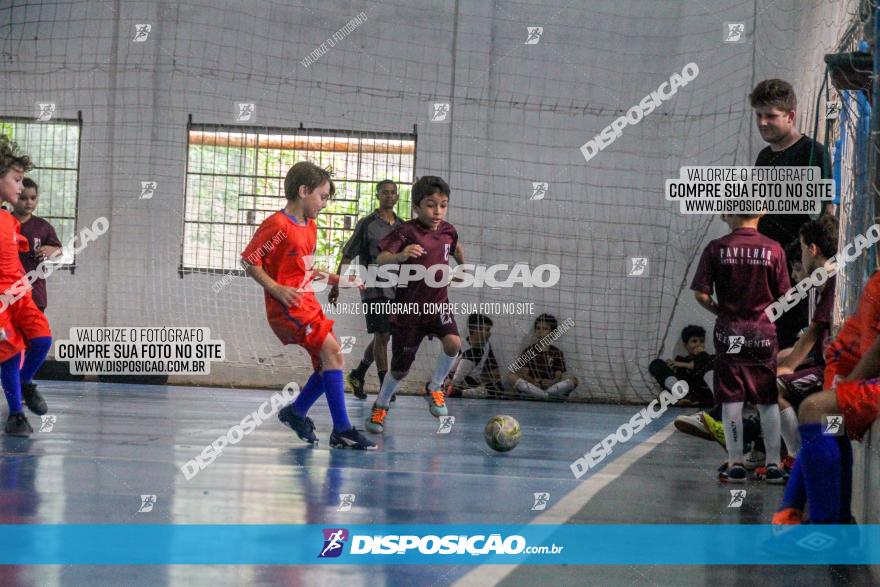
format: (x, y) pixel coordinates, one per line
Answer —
(439, 293)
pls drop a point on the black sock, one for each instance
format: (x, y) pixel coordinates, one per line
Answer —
(382, 378)
(360, 370)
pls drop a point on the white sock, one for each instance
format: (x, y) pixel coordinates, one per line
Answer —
(732, 416)
(790, 434)
(770, 430)
(389, 386)
(530, 389)
(464, 367)
(670, 382)
(444, 364)
(563, 387)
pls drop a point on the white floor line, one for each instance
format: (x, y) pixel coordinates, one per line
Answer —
(570, 505)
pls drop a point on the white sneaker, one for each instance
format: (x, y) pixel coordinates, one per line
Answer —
(693, 425)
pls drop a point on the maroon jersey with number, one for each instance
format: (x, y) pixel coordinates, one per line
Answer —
(439, 245)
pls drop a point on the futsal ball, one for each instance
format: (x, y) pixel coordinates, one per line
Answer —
(503, 433)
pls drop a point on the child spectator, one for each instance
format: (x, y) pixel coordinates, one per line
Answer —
(691, 369)
(40, 235)
(477, 364)
(542, 375)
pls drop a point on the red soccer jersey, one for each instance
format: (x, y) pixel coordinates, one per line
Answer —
(11, 244)
(280, 246)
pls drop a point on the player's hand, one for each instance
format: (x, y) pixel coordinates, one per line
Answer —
(670, 363)
(412, 251)
(333, 295)
(351, 281)
(47, 252)
(784, 370)
(288, 296)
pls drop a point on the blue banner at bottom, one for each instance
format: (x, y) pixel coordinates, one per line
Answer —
(438, 544)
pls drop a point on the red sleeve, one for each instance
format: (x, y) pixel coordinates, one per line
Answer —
(704, 277)
(395, 241)
(261, 243)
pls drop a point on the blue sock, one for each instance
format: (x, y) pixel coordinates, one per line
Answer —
(11, 379)
(36, 353)
(795, 491)
(820, 461)
(846, 469)
(310, 393)
(334, 389)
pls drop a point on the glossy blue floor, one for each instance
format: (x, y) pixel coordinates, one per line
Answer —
(109, 445)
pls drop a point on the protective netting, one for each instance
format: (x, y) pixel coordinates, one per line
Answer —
(526, 86)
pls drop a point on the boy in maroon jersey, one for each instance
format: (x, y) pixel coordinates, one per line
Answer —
(747, 272)
(40, 235)
(428, 240)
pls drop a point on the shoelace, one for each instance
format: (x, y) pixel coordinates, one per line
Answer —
(439, 398)
(378, 415)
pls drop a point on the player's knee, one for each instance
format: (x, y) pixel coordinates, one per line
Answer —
(810, 411)
(783, 403)
(400, 375)
(574, 381)
(382, 338)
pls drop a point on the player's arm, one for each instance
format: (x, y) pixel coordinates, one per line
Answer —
(288, 296)
(706, 301)
(459, 254)
(801, 349)
(334, 290)
(868, 366)
(408, 252)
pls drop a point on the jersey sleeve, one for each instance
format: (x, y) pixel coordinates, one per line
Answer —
(394, 242)
(782, 281)
(704, 276)
(824, 308)
(355, 245)
(261, 243)
(558, 361)
(51, 238)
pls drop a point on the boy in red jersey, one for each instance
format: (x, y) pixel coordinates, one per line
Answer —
(21, 320)
(280, 258)
(427, 240)
(745, 338)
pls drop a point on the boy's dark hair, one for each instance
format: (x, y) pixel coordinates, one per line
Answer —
(384, 182)
(692, 330)
(428, 186)
(822, 233)
(747, 216)
(547, 319)
(29, 183)
(306, 174)
(776, 93)
(793, 253)
(479, 320)
(10, 157)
